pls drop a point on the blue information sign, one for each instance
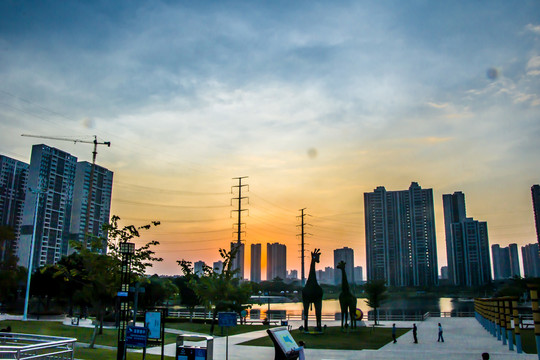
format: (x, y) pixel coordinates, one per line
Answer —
(152, 320)
(136, 336)
(227, 319)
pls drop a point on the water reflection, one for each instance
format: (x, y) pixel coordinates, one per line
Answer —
(396, 306)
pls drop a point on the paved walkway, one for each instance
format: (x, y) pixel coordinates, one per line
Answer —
(464, 338)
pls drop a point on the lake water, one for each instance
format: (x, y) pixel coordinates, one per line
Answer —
(396, 306)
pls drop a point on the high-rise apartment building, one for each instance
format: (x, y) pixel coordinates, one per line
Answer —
(535, 192)
(358, 275)
(255, 275)
(237, 262)
(218, 267)
(400, 236)
(444, 272)
(467, 244)
(505, 261)
(276, 261)
(501, 264)
(345, 254)
(13, 179)
(100, 203)
(198, 268)
(326, 276)
(531, 260)
(514, 260)
(51, 177)
(293, 275)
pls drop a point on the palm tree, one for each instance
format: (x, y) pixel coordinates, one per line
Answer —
(375, 295)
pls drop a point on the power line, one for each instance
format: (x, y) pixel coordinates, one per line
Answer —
(168, 191)
(138, 203)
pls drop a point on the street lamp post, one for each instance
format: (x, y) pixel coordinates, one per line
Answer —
(31, 258)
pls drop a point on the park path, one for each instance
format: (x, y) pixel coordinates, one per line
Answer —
(464, 338)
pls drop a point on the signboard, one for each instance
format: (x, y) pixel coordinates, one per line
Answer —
(122, 294)
(227, 319)
(152, 321)
(136, 336)
(191, 353)
(284, 339)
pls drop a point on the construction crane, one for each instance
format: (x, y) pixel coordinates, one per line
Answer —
(94, 155)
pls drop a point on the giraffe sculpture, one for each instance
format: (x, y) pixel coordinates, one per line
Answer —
(347, 301)
(312, 292)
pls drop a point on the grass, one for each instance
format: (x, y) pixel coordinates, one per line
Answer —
(205, 328)
(104, 354)
(334, 338)
(528, 341)
(82, 334)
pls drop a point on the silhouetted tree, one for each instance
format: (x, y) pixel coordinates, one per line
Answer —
(375, 294)
(221, 291)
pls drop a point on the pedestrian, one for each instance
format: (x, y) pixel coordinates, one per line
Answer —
(485, 356)
(414, 334)
(440, 338)
(394, 333)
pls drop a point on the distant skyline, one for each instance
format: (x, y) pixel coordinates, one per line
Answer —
(317, 102)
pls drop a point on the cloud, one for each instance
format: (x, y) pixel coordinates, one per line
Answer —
(533, 63)
(438, 106)
(533, 28)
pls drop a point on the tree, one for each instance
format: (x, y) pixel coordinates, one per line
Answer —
(187, 295)
(11, 275)
(375, 294)
(157, 291)
(144, 256)
(221, 291)
(97, 274)
(46, 286)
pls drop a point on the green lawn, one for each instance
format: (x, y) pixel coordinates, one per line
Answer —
(103, 354)
(205, 328)
(334, 338)
(528, 341)
(82, 334)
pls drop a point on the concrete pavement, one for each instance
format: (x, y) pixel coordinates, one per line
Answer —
(464, 338)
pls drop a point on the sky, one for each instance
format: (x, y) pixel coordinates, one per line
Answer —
(317, 102)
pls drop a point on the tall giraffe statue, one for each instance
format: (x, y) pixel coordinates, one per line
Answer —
(312, 293)
(347, 301)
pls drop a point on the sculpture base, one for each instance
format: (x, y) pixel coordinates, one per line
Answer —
(314, 332)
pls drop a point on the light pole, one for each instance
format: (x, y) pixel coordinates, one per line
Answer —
(38, 192)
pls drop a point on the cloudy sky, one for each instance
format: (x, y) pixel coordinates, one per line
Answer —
(316, 101)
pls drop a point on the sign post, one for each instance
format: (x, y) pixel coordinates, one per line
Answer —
(127, 250)
(227, 319)
(137, 336)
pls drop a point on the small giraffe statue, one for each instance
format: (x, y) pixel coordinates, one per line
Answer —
(347, 301)
(312, 292)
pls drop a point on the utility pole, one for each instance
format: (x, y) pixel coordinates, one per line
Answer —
(238, 261)
(302, 243)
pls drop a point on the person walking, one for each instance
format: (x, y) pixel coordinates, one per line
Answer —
(440, 338)
(394, 333)
(414, 334)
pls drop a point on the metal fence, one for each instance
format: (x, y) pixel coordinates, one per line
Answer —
(390, 316)
(27, 346)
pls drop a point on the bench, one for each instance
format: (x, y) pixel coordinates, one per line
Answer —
(262, 322)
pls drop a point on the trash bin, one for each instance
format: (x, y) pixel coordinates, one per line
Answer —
(192, 352)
